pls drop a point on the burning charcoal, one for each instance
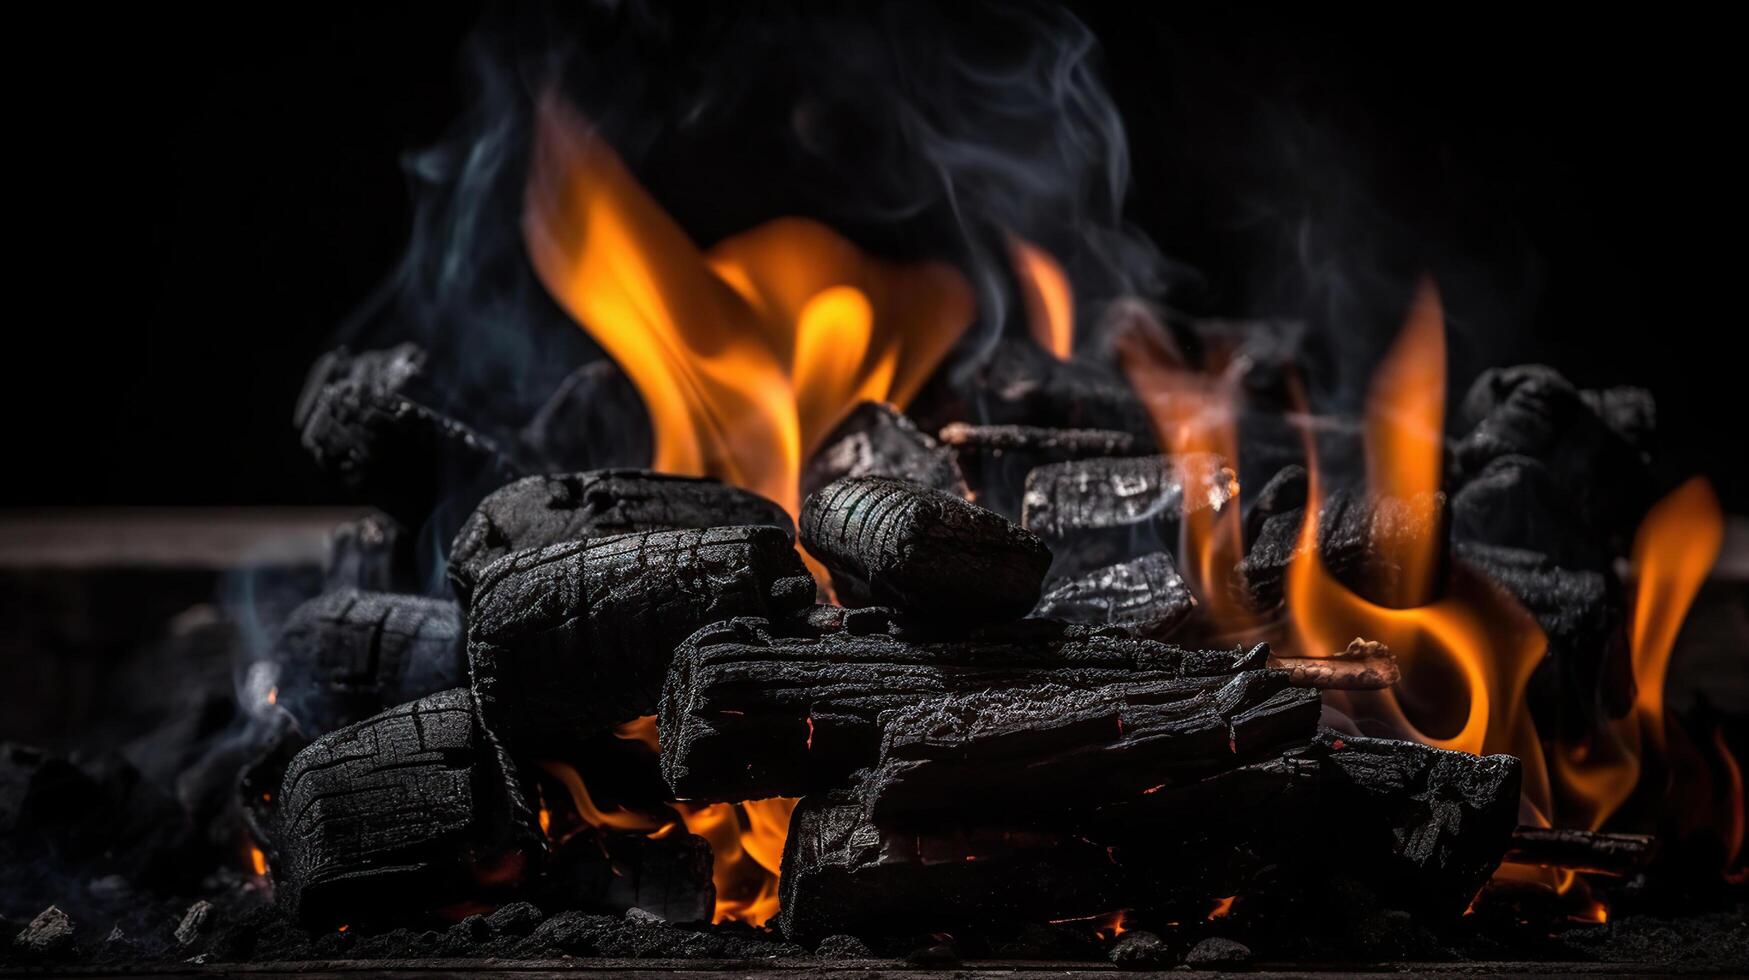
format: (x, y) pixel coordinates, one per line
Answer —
(1584, 851)
(361, 421)
(877, 440)
(1019, 384)
(669, 876)
(1145, 596)
(747, 714)
(1365, 665)
(844, 874)
(1427, 825)
(371, 554)
(573, 639)
(1583, 615)
(544, 510)
(1515, 502)
(346, 655)
(1358, 533)
(401, 814)
(260, 778)
(1531, 410)
(891, 542)
(1097, 511)
(997, 458)
(595, 420)
(1021, 749)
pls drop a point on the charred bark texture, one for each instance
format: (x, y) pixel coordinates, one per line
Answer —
(843, 874)
(1145, 596)
(349, 654)
(399, 815)
(360, 419)
(747, 714)
(1094, 512)
(572, 639)
(1051, 750)
(889, 542)
(877, 440)
(1590, 852)
(1359, 535)
(997, 458)
(546, 510)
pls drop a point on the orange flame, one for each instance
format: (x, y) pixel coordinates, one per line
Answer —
(1050, 305)
(1194, 417)
(1223, 908)
(618, 818)
(1405, 422)
(258, 861)
(1674, 549)
(746, 852)
(745, 355)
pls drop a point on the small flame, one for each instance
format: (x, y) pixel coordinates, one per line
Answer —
(1223, 907)
(745, 355)
(1050, 304)
(258, 861)
(1674, 549)
(640, 730)
(618, 818)
(747, 851)
(273, 695)
(1194, 419)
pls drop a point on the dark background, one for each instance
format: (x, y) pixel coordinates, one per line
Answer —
(206, 196)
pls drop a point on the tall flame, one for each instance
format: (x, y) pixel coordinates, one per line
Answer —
(1674, 549)
(747, 354)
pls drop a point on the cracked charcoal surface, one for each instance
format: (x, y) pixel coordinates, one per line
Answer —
(888, 542)
(1095, 512)
(877, 440)
(572, 639)
(399, 814)
(544, 510)
(1145, 596)
(349, 654)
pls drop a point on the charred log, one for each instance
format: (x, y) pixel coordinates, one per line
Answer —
(748, 714)
(1097, 511)
(1585, 851)
(1515, 502)
(401, 814)
(350, 654)
(886, 541)
(1145, 596)
(572, 639)
(546, 510)
(360, 419)
(997, 458)
(1359, 537)
(877, 440)
(594, 420)
(843, 874)
(1050, 750)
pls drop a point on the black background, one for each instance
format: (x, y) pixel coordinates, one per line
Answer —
(204, 196)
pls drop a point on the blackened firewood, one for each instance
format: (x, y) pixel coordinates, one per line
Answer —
(594, 420)
(1097, 511)
(360, 419)
(889, 542)
(1359, 538)
(542, 510)
(1515, 502)
(345, 655)
(997, 458)
(1364, 665)
(1593, 447)
(1055, 749)
(748, 714)
(372, 554)
(843, 874)
(1587, 851)
(401, 814)
(572, 639)
(1145, 596)
(1583, 616)
(1284, 493)
(1017, 383)
(1426, 824)
(877, 440)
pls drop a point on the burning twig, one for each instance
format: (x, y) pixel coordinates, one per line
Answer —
(1366, 665)
(1588, 851)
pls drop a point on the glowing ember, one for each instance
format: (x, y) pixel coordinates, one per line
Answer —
(1050, 306)
(1223, 906)
(745, 355)
(258, 861)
